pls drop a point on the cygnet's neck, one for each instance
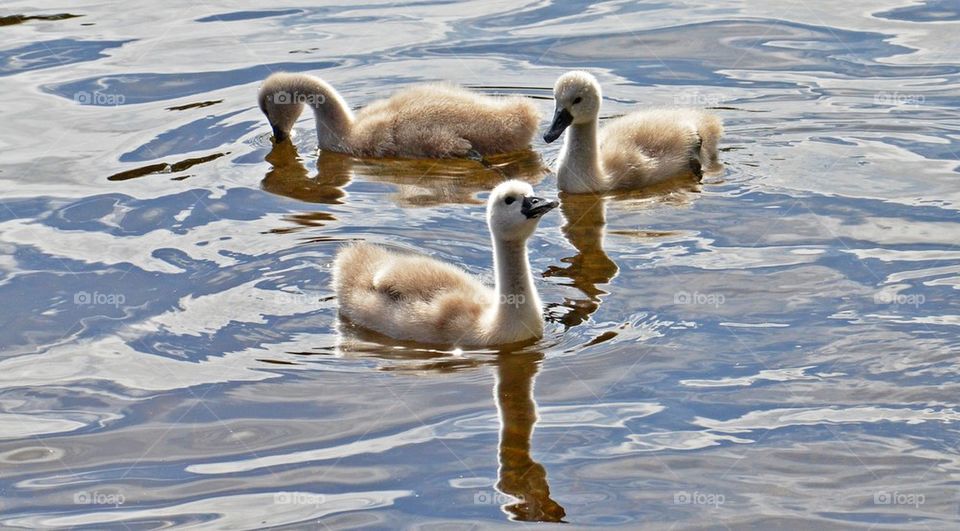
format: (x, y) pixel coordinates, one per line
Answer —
(517, 313)
(333, 117)
(579, 168)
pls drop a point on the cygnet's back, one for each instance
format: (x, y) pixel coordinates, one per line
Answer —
(651, 145)
(400, 295)
(437, 120)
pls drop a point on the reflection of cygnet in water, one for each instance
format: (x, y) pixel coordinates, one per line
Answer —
(585, 228)
(418, 182)
(289, 177)
(584, 216)
(642, 148)
(519, 475)
(424, 121)
(421, 299)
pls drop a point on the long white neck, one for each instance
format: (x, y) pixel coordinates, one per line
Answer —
(579, 168)
(333, 116)
(517, 314)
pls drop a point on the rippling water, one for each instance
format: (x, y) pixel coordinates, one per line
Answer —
(776, 346)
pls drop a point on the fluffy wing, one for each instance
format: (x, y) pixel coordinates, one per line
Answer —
(444, 121)
(649, 146)
(407, 296)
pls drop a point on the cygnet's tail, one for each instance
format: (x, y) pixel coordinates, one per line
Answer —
(353, 273)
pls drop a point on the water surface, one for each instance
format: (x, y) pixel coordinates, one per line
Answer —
(777, 346)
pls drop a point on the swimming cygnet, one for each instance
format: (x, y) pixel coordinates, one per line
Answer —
(413, 297)
(423, 121)
(642, 148)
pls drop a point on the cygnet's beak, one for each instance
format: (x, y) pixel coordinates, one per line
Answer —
(278, 135)
(534, 207)
(561, 119)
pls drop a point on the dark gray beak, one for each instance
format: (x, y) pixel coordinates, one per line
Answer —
(534, 207)
(278, 135)
(561, 120)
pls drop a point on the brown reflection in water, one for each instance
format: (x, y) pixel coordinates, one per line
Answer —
(418, 182)
(289, 177)
(519, 475)
(197, 105)
(584, 219)
(10, 20)
(679, 191)
(355, 341)
(164, 167)
(516, 367)
(304, 220)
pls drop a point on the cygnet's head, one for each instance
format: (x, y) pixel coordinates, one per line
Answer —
(578, 97)
(281, 103)
(513, 212)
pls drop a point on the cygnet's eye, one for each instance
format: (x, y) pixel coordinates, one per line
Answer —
(509, 200)
(578, 100)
